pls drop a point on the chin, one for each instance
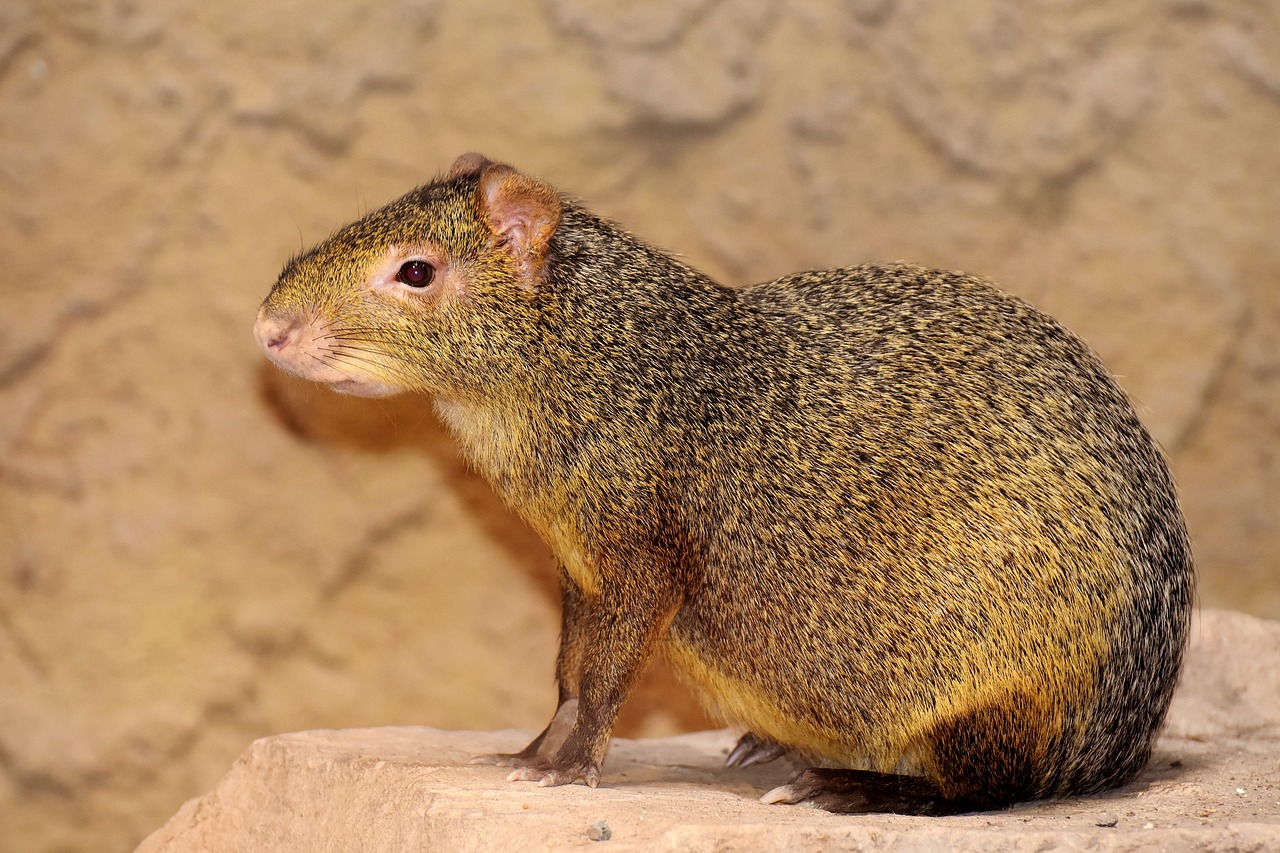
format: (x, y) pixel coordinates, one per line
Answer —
(356, 388)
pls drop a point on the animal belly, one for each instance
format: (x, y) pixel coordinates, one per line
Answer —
(750, 707)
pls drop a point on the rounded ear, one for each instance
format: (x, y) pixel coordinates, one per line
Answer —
(523, 213)
(467, 165)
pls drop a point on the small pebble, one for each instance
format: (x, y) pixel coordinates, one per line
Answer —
(1240, 791)
(1107, 819)
(1148, 826)
(599, 831)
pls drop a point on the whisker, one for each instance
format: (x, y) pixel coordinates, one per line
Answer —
(351, 359)
(353, 348)
(360, 336)
(326, 363)
(390, 343)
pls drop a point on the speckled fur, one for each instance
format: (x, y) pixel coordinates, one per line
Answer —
(889, 517)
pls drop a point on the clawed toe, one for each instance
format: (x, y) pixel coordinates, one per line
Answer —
(501, 759)
(548, 776)
(753, 749)
(783, 794)
(862, 791)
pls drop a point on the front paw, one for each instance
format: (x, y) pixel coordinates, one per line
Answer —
(549, 773)
(544, 745)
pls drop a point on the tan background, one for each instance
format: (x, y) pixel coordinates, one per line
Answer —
(195, 550)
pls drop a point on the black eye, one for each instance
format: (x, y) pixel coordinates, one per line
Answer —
(416, 273)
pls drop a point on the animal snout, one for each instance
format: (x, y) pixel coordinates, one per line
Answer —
(276, 334)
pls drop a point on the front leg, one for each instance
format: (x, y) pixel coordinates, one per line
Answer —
(624, 621)
(542, 747)
(573, 638)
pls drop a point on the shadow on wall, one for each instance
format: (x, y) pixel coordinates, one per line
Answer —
(659, 704)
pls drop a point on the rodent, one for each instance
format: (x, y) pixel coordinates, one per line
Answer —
(888, 518)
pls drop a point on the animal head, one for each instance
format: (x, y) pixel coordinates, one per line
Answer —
(432, 292)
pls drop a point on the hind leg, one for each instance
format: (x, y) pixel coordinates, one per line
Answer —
(865, 791)
(988, 758)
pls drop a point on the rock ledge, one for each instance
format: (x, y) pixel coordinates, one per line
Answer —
(1212, 785)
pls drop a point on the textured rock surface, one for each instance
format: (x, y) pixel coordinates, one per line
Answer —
(1212, 785)
(195, 551)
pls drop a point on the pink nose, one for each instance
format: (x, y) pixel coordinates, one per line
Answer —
(275, 334)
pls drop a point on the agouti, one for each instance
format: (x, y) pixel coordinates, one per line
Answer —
(888, 518)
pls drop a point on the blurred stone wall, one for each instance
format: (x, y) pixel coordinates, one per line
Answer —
(195, 550)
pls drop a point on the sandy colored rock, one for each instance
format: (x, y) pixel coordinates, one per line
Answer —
(1211, 785)
(403, 789)
(196, 551)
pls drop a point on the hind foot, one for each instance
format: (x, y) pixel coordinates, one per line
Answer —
(864, 791)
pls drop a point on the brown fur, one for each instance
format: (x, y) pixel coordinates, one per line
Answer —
(888, 517)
